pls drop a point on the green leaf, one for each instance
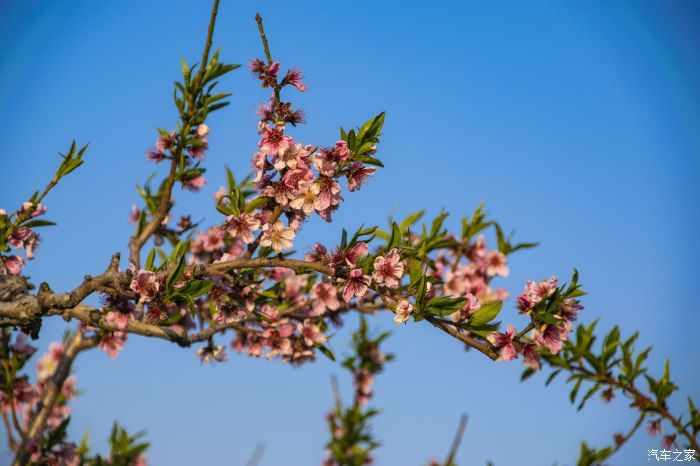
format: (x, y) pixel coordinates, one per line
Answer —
(574, 391)
(552, 376)
(527, 373)
(486, 313)
(38, 223)
(395, 239)
(255, 203)
(591, 391)
(176, 274)
(194, 289)
(185, 69)
(437, 223)
(150, 259)
(411, 219)
(327, 352)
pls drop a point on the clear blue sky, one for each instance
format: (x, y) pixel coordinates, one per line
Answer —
(577, 123)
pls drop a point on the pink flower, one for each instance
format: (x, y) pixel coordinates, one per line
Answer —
(294, 77)
(532, 356)
(23, 395)
(497, 265)
(242, 227)
(202, 130)
(668, 441)
(280, 191)
(146, 284)
(210, 353)
(68, 390)
(20, 346)
(403, 311)
(324, 296)
(311, 333)
(295, 156)
(358, 174)
(135, 214)
(325, 214)
(326, 161)
(24, 238)
(184, 223)
(47, 364)
(273, 69)
(319, 254)
(197, 149)
(329, 193)
(57, 415)
(256, 65)
(654, 427)
(153, 155)
(504, 341)
(534, 293)
(349, 258)
(357, 285)
(551, 337)
(13, 264)
(363, 386)
(607, 395)
(274, 141)
(117, 319)
(213, 239)
(471, 305)
(308, 199)
(277, 236)
(112, 343)
(194, 184)
(388, 269)
(40, 209)
(164, 143)
(219, 194)
(341, 148)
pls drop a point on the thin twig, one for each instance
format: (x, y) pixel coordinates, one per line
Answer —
(257, 454)
(449, 460)
(165, 204)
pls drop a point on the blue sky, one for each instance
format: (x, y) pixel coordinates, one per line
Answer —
(577, 123)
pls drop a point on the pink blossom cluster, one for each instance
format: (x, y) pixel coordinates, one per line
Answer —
(22, 237)
(468, 271)
(150, 286)
(387, 269)
(279, 336)
(549, 336)
(301, 179)
(23, 401)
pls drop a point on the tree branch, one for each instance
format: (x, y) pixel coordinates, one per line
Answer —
(137, 241)
(37, 423)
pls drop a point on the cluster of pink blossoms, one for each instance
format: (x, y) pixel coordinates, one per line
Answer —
(549, 336)
(23, 402)
(467, 272)
(149, 286)
(294, 180)
(301, 179)
(388, 269)
(20, 238)
(281, 336)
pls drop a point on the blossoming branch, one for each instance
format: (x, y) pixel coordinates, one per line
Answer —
(238, 284)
